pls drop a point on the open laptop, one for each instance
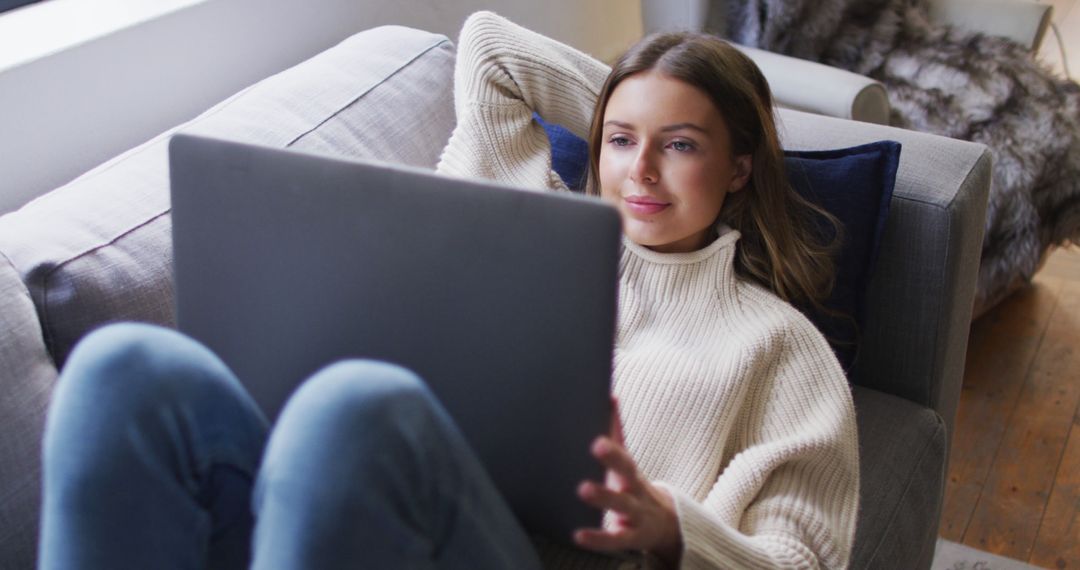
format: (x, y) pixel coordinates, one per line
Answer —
(503, 300)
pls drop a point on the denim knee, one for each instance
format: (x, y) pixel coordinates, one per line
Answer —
(118, 378)
(150, 448)
(363, 396)
(350, 416)
(119, 366)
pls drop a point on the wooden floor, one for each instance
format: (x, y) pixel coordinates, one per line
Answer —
(1013, 485)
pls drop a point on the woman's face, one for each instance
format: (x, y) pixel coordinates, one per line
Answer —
(666, 162)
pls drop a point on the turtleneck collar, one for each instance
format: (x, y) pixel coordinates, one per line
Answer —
(726, 240)
(666, 278)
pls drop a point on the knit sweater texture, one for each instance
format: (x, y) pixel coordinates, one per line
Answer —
(729, 398)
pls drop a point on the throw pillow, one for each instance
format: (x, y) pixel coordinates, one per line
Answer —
(569, 154)
(853, 184)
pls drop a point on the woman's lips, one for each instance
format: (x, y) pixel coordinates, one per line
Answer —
(645, 205)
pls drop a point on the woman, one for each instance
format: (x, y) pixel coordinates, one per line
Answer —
(739, 447)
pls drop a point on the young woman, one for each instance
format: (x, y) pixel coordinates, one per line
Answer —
(734, 444)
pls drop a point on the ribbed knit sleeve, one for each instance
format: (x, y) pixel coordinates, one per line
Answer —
(502, 74)
(788, 497)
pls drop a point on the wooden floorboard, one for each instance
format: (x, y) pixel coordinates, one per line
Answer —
(1010, 508)
(1001, 348)
(1013, 484)
(1058, 541)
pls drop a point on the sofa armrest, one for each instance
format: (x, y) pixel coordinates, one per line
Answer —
(817, 88)
(1022, 21)
(796, 83)
(27, 376)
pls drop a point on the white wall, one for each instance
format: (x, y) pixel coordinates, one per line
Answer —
(63, 113)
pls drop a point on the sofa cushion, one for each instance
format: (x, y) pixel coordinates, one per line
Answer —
(902, 473)
(99, 248)
(855, 185)
(27, 376)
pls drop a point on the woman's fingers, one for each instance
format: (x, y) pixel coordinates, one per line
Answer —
(644, 517)
(616, 422)
(619, 493)
(618, 461)
(597, 539)
(601, 497)
(640, 520)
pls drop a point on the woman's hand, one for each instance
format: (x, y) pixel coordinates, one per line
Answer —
(644, 515)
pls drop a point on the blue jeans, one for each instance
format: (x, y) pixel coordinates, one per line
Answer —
(156, 457)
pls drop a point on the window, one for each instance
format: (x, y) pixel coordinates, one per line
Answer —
(6, 5)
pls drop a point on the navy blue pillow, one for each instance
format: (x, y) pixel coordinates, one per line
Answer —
(856, 186)
(853, 184)
(569, 154)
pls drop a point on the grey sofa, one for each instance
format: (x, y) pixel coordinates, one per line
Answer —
(98, 250)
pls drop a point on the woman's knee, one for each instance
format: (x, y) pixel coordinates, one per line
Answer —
(356, 397)
(119, 373)
(353, 425)
(135, 361)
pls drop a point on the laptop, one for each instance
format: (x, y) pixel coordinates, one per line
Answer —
(502, 300)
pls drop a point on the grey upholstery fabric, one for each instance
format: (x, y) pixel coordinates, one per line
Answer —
(914, 343)
(98, 249)
(27, 377)
(902, 448)
(920, 299)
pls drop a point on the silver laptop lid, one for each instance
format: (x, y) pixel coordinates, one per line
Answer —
(503, 300)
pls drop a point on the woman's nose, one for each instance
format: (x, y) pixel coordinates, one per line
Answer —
(643, 170)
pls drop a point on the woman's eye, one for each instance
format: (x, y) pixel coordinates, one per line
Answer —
(619, 141)
(681, 146)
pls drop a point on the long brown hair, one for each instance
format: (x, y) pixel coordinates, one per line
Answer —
(782, 246)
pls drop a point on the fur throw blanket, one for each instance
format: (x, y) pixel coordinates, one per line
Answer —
(954, 83)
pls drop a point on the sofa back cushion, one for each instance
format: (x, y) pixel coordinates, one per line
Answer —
(99, 248)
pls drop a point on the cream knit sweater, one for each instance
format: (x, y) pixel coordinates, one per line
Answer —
(730, 399)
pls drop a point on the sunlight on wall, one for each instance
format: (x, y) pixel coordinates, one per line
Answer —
(40, 29)
(84, 80)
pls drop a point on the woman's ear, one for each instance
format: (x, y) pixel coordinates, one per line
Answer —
(744, 165)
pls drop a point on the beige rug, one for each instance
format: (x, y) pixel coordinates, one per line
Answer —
(953, 556)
